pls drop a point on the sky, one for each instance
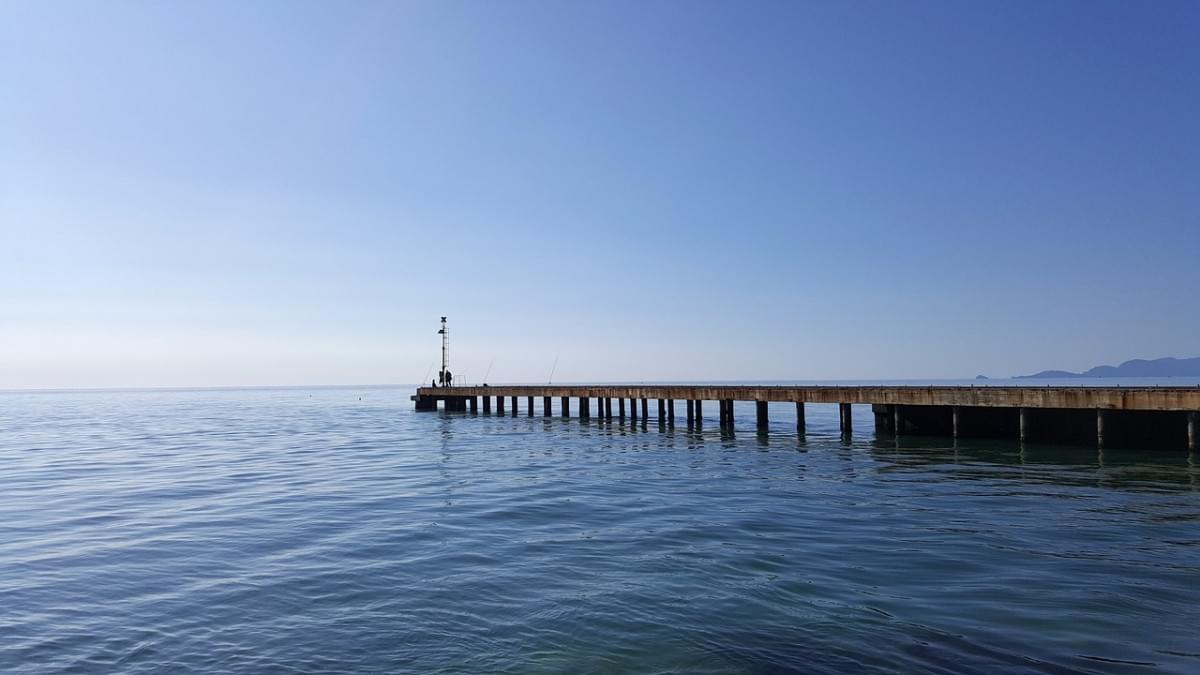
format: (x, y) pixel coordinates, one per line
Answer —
(284, 193)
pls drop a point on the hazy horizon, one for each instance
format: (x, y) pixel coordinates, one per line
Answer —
(292, 194)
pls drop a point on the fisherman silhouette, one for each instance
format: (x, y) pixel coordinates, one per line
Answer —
(449, 379)
(441, 377)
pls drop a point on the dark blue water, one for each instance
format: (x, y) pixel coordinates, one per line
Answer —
(335, 530)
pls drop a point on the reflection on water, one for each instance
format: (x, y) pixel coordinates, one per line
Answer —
(337, 530)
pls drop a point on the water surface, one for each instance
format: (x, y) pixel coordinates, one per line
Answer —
(335, 530)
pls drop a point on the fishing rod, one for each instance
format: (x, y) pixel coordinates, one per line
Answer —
(552, 369)
(489, 370)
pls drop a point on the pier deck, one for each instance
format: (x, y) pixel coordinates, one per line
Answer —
(1137, 416)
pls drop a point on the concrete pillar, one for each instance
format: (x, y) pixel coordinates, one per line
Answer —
(1101, 415)
(474, 402)
(565, 404)
(1024, 433)
(608, 408)
(662, 411)
(761, 409)
(954, 421)
(699, 413)
(691, 411)
(487, 405)
(645, 409)
(514, 406)
(633, 414)
(1193, 422)
(621, 408)
(670, 412)
(729, 413)
(545, 406)
(897, 421)
(585, 407)
(499, 405)
(801, 423)
(847, 418)
(426, 403)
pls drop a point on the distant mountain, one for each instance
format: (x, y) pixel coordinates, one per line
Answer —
(1168, 367)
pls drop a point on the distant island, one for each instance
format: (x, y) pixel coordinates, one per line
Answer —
(1168, 367)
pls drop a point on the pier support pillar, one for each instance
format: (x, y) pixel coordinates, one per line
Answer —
(529, 405)
(514, 406)
(474, 403)
(728, 405)
(801, 423)
(645, 409)
(1193, 421)
(585, 407)
(545, 406)
(1101, 418)
(670, 412)
(897, 421)
(699, 412)
(621, 409)
(691, 412)
(608, 408)
(847, 419)
(662, 411)
(633, 414)
(487, 405)
(954, 422)
(565, 404)
(499, 405)
(1024, 425)
(760, 407)
(426, 403)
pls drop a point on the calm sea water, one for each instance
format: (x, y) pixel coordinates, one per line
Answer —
(336, 530)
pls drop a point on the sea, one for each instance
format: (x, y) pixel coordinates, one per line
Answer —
(336, 530)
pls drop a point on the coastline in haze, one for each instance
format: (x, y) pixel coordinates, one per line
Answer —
(1165, 367)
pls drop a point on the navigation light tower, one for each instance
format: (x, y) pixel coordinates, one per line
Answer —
(445, 333)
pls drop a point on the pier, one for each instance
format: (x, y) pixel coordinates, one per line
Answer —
(1149, 417)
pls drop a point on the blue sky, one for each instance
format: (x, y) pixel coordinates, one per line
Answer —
(228, 193)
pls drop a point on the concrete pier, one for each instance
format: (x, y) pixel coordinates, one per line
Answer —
(1134, 417)
(699, 412)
